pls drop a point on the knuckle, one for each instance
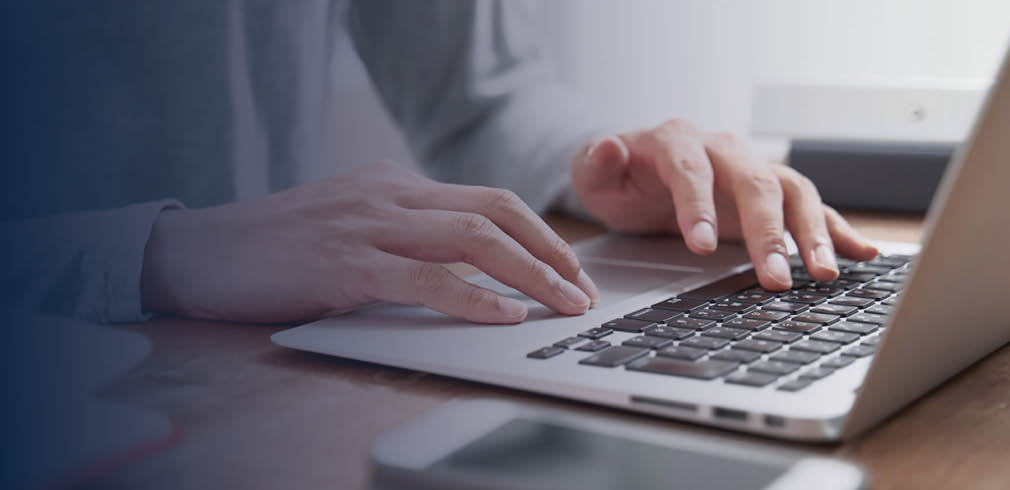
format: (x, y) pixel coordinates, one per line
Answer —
(475, 299)
(536, 269)
(691, 166)
(564, 255)
(677, 124)
(429, 278)
(725, 141)
(761, 182)
(504, 200)
(471, 226)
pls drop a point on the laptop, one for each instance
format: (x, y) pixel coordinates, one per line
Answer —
(696, 339)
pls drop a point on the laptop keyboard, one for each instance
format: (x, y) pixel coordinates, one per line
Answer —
(734, 331)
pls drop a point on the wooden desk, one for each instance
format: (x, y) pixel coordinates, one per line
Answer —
(253, 415)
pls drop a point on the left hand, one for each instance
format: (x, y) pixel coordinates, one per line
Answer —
(675, 178)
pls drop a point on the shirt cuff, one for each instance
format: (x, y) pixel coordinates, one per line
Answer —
(122, 259)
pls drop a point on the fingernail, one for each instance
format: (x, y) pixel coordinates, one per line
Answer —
(574, 295)
(592, 149)
(703, 236)
(778, 267)
(588, 286)
(512, 309)
(825, 257)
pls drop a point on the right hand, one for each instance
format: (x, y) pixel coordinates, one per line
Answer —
(379, 233)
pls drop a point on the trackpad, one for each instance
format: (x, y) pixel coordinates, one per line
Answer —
(619, 282)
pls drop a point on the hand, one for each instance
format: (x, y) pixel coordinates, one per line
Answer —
(378, 233)
(675, 178)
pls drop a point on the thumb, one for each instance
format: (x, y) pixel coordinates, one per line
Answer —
(600, 163)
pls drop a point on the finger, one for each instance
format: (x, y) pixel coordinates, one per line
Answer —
(406, 281)
(848, 241)
(685, 169)
(758, 195)
(450, 236)
(509, 213)
(804, 215)
(600, 164)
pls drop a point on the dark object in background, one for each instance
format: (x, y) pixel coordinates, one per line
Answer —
(900, 177)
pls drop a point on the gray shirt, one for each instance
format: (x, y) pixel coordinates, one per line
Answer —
(121, 109)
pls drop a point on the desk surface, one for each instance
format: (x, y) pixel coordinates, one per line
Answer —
(253, 415)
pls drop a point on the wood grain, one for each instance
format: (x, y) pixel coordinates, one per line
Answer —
(253, 415)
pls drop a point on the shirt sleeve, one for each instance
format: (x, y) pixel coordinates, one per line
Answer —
(473, 89)
(85, 264)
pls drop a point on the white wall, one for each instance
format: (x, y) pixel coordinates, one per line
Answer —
(647, 60)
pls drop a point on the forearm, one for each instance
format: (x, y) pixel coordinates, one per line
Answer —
(471, 86)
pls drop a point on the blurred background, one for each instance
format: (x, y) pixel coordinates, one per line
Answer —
(648, 60)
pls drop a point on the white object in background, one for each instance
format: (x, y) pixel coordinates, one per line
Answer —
(866, 112)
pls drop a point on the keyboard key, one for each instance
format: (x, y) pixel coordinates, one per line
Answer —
(852, 327)
(569, 342)
(864, 268)
(726, 333)
(753, 298)
(737, 355)
(883, 286)
(778, 336)
(681, 352)
(593, 346)
(648, 342)
(818, 372)
(669, 332)
(732, 306)
(802, 298)
(795, 385)
(746, 323)
(677, 367)
(751, 379)
(868, 318)
(767, 315)
(820, 318)
(679, 304)
(857, 276)
(848, 301)
(545, 352)
(896, 279)
(652, 315)
(890, 261)
(833, 309)
(860, 351)
(722, 288)
(890, 301)
(596, 333)
(838, 362)
(795, 326)
(880, 310)
(709, 343)
(757, 345)
(614, 356)
(872, 341)
(710, 314)
(690, 323)
(818, 346)
(868, 293)
(625, 325)
(773, 367)
(783, 306)
(795, 356)
(822, 290)
(835, 336)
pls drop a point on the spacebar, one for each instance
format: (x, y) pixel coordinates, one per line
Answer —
(723, 287)
(690, 369)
